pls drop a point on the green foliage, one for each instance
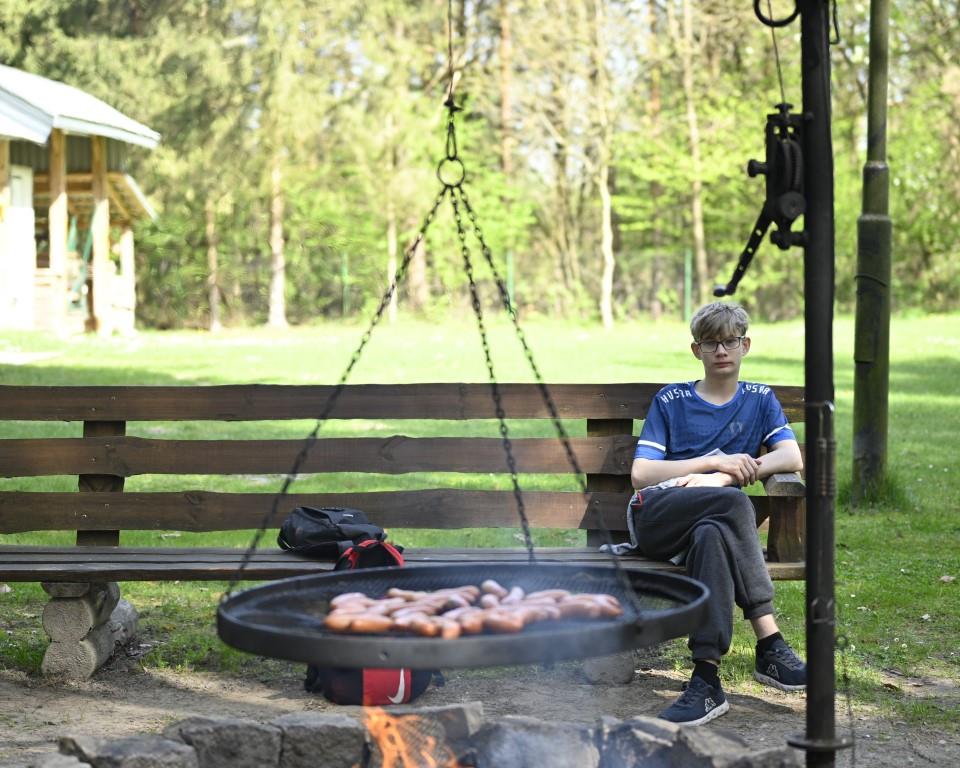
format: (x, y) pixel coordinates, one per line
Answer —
(345, 99)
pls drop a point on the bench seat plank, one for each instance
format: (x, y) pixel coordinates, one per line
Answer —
(28, 563)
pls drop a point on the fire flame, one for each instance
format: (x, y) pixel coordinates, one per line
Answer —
(408, 741)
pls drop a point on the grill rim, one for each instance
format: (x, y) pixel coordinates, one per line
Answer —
(237, 625)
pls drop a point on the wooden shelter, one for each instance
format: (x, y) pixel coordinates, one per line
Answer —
(67, 207)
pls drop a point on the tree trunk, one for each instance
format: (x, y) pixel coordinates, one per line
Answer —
(602, 92)
(213, 287)
(278, 266)
(506, 103)
(606, 248)
(693, 128)
(392, 258)
(419, 291)
(653, 120)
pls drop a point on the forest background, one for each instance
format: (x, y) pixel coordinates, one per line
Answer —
(605, 144)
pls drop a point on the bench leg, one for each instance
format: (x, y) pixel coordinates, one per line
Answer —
(785, 540)
(85, 623)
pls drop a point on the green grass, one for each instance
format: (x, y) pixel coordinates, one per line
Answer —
(897, 613)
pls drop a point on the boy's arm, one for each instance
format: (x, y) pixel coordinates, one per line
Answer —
(742, 469)
(783, 456)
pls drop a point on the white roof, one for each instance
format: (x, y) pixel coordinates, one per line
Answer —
(31, 106)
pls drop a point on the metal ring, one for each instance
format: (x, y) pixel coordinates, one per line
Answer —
(776, 22)
(447, 162)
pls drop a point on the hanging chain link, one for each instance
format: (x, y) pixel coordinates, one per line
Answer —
(546, 396)
(522, 338)
(494, 385)
(328, 407)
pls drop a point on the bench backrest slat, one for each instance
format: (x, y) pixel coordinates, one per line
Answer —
(201, 511)
(129, 456)
(256, 402)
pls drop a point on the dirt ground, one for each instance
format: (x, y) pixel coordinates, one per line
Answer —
(125, 699)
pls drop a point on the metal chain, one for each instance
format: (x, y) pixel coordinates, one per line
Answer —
(776, 54)
(545, 394)
(521, 336)
(494, 385)
(311, 439)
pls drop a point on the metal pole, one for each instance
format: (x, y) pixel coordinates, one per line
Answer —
(820, 740)
(874, 246)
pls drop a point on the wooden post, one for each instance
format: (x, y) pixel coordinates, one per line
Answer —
(616, 483)
(57, 228)
(125, 286)
(4, 208)
(101, 483)
(100, 264)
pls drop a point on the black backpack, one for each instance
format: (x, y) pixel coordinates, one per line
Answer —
(326, 533)
(369, 687)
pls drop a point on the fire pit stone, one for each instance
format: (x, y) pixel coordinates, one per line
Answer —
(458, 722)
(142, 751)
(320, 740)
(228, 742)
(526, 742)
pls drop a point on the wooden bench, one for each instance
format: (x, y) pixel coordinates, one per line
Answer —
(140, 432)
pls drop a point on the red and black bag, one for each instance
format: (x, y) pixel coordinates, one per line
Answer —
(370, 687)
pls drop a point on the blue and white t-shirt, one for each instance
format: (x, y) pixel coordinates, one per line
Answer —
(682, 425)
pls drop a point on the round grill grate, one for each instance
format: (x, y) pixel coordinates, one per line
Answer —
(284, 619)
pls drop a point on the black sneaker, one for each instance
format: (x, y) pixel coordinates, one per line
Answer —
(698, 704)
(781, 668)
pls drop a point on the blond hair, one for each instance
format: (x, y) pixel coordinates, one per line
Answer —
(718, 320)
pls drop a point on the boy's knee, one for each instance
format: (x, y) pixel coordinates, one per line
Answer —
(706, 536)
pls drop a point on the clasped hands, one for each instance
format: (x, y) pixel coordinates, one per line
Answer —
(733, 469)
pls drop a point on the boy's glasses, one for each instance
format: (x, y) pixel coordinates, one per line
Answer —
(711, 346)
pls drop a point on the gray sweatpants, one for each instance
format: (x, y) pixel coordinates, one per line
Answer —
(719, 527)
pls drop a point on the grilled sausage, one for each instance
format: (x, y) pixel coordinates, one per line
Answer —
(368, 623)
(339, 622)
(515, 595)
(491, 587)
(350, 597)
(503, 622)
(552, 594)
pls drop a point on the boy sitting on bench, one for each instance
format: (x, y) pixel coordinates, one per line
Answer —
(700, 443)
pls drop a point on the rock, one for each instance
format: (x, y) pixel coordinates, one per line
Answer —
(709, 748)
(617, 669)
(60, 761)
(458, 721)
(229, 742)
(525, 742)
(319, 740)
(130, 752)
(640, 741)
